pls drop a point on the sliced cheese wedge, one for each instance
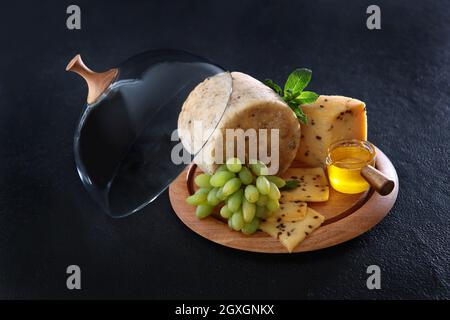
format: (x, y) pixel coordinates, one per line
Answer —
(291, 234)
(313, 185)
(330, 118)
(290, 211)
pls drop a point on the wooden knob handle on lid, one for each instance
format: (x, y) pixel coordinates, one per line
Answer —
(97, 82)
(382, 184)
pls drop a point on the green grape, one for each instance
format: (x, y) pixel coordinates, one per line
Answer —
(251, 193)
(212, 197)
(262, 200)
(202, 180)
(274, 193)
(220, 195)
(220, 178)
(235, 200)
(248, 210)
(259, 168)
(203, 190)
(272, 205)
(199, 197)
(225, 212)
(234, 165)
(237, 221)
(279, 182)
(251, 227)
(261, 212)
(229, 223)
(203, 211)
(222, 167)
(231, 186)
(263, 185)
(246, 176)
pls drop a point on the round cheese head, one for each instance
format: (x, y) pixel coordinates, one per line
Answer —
(249, 105)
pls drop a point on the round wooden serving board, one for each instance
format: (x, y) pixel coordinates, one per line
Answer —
(347, 216)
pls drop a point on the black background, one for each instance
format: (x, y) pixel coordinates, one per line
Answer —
(48, 221)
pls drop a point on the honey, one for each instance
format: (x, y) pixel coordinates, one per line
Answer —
(345, 160)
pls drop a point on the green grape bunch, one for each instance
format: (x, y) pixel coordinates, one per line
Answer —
(245, 194)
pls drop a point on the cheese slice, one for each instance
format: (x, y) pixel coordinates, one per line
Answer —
(330, 118)
(249, 105)
(292, 233)
(290, 211)
(313, 185)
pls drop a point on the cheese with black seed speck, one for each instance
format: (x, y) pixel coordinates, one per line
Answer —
(290, 234)
(289, 211)
(312, 185)
(330, 118)
(250, 105)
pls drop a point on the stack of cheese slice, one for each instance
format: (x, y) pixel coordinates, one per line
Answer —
(291, 233)
(294, 221)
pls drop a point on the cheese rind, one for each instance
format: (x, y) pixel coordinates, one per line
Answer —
(292, 233)
(330, 118)
(251, 105)
(313, 185)
(205, 104)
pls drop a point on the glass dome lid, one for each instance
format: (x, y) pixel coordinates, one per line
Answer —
(124, 141)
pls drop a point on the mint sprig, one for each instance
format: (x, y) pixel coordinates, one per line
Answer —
(273, 86)
(293, 93)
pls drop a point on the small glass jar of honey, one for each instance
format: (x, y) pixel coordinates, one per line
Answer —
(344, 162)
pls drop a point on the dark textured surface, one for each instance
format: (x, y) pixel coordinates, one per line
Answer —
(48, 221)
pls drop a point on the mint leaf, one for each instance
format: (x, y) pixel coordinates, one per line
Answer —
(301, 116)
(297, 81)
(288, 96)
(293, 93)
(290, 184)
(273, 86)
(306, 97)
